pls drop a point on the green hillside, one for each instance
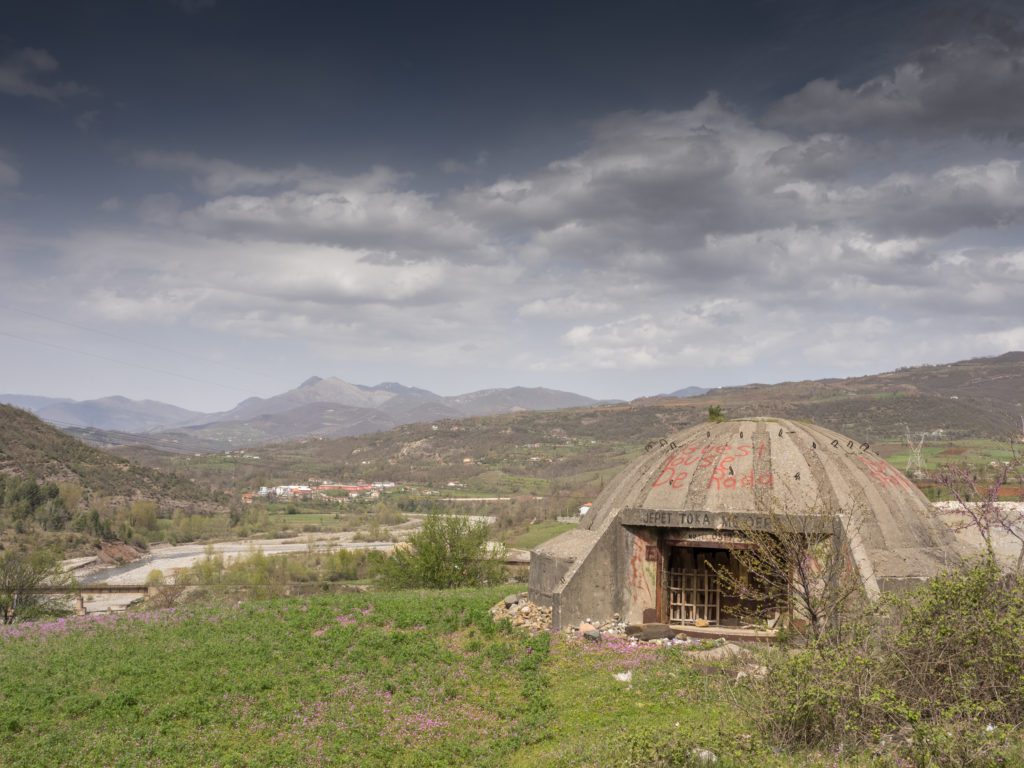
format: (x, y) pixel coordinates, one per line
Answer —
(57, 491)
(980, 398)
(31, 448)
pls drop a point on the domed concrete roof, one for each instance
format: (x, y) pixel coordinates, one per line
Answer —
(737, 470)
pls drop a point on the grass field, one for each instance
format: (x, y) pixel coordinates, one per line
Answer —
(384, 679)
(538, 533)
(936, 453)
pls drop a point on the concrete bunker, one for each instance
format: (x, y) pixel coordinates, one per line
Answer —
(655, 541)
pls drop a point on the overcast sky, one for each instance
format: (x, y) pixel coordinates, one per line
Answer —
(202, 200)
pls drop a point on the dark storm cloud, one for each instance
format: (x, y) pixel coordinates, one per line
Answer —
(967, 86)
(860, 217)
(665, 231)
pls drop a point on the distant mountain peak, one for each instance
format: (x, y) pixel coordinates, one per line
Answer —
(401, 389)
(690, 392)
(312, 381)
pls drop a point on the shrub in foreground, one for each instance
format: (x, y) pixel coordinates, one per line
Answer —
(935, 677)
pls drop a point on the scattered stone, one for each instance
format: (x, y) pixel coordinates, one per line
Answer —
(586, 626)
(522, 613)
(752, 671)
(721, 653)
(705, 756)
(624, 677)
(593, 635)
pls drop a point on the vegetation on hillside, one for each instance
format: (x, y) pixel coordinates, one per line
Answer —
(58, 492)
(31, 448)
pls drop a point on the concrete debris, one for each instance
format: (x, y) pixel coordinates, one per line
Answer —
(721, 653)
(518, 609)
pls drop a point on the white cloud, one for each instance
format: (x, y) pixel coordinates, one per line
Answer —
(973, 85)
(567, 306)
(686, 240)
(23, 73)
(160, 209)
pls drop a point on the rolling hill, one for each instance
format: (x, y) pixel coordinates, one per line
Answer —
(983, 397)
(575, 450)
(31, 448)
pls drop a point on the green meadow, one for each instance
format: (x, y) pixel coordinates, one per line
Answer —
(415, 678)
(377, 679)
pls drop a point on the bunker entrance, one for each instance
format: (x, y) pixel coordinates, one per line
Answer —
(693, 593)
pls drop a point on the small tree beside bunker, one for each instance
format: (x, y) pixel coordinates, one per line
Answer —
(796, 572)
(449, 551)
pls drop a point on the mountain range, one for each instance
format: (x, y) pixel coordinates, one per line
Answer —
(325, 407)
(970, 398)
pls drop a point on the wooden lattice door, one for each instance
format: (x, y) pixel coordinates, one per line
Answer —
(694, 590)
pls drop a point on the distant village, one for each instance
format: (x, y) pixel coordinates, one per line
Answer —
(341, 493)
(323, 490)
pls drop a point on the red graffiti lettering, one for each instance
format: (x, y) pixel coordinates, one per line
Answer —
(721, 480)
(884, 473)
(718, 458)
(665, 477)
(671, 475)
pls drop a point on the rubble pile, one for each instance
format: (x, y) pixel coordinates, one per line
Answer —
(634, 634)
(518, 609)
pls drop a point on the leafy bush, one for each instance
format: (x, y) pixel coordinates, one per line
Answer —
(449, 551)
(936, 676)
(21, 576)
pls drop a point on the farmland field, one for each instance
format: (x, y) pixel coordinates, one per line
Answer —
(935, 453)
